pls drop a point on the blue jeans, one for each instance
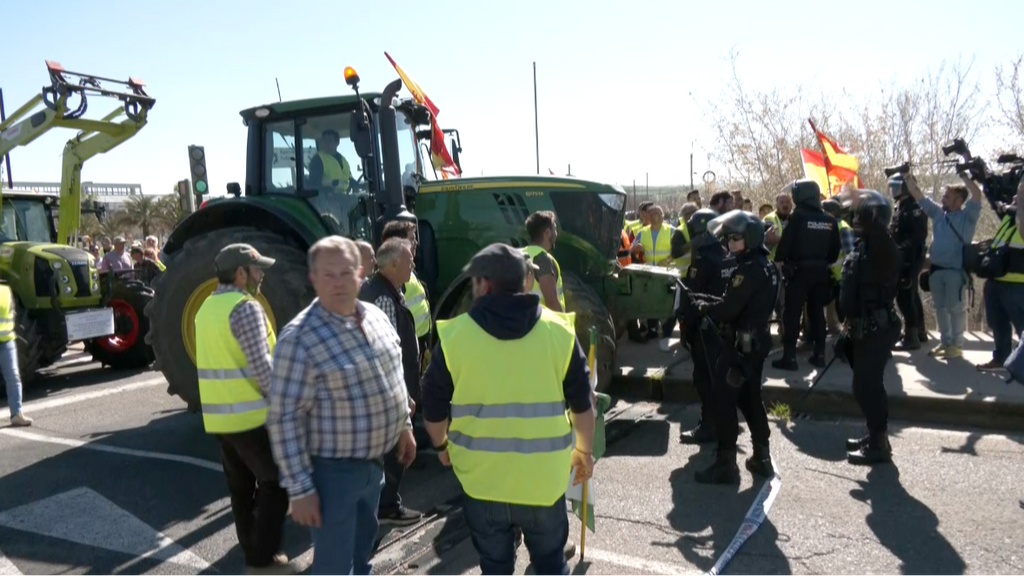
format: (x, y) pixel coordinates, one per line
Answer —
(349, 491)
(545, 532)
(1004, 312)
(947, 288)
(9, 370)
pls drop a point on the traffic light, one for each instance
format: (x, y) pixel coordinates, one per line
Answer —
(185, 198)
(197, 165)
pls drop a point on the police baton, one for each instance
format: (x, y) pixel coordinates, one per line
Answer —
(818, 379)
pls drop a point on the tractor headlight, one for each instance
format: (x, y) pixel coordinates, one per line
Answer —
(57, 265)
(95, 275)
(613, 201)
(95, 287)
(64, 279)
(67, 289)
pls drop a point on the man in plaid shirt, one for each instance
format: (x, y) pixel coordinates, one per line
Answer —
(338, 404)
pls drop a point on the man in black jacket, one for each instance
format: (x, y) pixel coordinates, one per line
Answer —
(384, 290)
(909, 229)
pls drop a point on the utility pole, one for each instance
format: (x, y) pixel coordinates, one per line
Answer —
(691, 164)
(634, 193)
(536, 123)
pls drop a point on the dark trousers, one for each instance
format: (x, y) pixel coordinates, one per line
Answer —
(1004, 312)
(705, 348)
(812, 290)
(258, 503)
(545, 532)
(909, 301)
(747, 398)
(870, 355)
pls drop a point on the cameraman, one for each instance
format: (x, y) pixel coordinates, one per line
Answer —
(1004, 295)
(909, 229)
(953, 224)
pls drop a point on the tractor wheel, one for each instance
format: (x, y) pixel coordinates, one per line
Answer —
(591, 311)
(190, 278)
(126, 348)
(30, 345)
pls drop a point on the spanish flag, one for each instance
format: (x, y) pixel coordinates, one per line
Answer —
(834, 166)
(815, 169)
(439, 155)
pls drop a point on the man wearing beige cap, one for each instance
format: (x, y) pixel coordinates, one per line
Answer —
(116, 259)
(234, 347)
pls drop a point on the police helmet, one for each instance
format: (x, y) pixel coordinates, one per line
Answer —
(897, 186)
(873, 208)
(806, 192)
(739, 222)
(832, 207)
(698, 222)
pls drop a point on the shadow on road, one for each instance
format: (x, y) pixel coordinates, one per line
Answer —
(905, 525)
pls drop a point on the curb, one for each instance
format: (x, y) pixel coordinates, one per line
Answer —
(952, 411)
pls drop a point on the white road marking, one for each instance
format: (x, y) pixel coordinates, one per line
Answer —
(25, 435)
(7, 568)
(40, 405)
(637, 563)
(85, 517)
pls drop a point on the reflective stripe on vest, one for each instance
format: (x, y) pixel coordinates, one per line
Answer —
(627, 259)
(416, 300)
(1009, 235)
(509, 439)
(681, 264)
(533, 251)
(769, 221)
(7, 330)
(230, 396)
(837, 266)
(336, 175)
(652, 253)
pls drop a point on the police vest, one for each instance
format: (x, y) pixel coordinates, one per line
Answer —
(509, 439)
(837, 266)
(769, 221)
(1009, 235)
(416, 301)
(682, 264)
(533, 251)
(7, 330)
(229, 393)
(653, 253)
(336, 175)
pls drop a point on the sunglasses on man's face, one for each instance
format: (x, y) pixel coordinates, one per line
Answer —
(735, 237)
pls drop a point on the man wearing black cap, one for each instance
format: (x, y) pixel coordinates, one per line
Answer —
(234, 346)
(503, 372)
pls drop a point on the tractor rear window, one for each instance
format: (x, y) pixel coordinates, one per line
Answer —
(25, 220)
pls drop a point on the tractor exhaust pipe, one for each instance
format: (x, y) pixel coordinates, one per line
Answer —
(394, 200)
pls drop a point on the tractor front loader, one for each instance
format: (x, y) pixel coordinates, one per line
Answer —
(60, 296)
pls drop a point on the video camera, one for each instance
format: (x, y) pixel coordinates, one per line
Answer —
(998, 187)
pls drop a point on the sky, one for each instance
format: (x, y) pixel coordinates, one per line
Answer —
(616, 81)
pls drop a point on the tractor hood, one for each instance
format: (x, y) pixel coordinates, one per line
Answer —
(73, 256)
(539, 182)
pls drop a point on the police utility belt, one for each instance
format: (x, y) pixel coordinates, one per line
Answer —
(872, 321)
(746, 341)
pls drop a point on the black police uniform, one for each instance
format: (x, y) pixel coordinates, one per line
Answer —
(866, 295)
(742, 320)
(807, 250)
(909, 230)
(711, 266)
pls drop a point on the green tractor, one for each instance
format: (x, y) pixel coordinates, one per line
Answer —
(60, 295)
(282, 212)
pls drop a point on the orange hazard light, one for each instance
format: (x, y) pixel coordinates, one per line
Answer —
(351, 76)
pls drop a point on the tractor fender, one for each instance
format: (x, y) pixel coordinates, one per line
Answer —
(261, 215)
(449, 300)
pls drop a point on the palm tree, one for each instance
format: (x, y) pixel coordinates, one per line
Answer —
(168, 211)
(142, 211)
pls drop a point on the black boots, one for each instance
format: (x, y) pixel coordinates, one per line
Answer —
(704, 433)
(875, 449)
(818, 361)
(760, 463)
(787, 362)
(723, 471)
(910, 342)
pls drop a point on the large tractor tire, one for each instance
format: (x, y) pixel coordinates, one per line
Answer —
(126, 348)
(30, 345)
(591, 311)
(190, 278)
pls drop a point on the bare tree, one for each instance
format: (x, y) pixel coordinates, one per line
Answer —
(1010, 99)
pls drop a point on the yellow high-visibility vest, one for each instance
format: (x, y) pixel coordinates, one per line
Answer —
(837, 266)
(1009, 235)
(416, 300)
(509, 439)
(7, 328)
(229, 393)
(652, 253)
(769, 221)
(336, 175)
(533, 251)
(681, 264)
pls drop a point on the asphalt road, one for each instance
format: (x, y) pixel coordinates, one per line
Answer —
(115, 477)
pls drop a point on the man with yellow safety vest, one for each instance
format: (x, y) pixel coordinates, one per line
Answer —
(503, 373)
(234, 345)
(543, 232)
(329, 170)
(654, 242)
(1004, 294)
(775, 223)
(416, 297)
(847, 241)
(634, 226)
(9, 357)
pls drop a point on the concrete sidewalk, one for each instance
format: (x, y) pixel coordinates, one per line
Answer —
(921, 389)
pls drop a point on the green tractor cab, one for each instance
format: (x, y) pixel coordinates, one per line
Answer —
(289, 202)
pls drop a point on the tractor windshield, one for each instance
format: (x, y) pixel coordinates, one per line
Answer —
(26, 220)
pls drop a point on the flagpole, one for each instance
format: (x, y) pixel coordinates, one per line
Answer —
(536, 122)
(824, 156)
(583, 527)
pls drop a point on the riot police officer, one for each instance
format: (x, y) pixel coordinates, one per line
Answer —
(742, 319)
(866, 295)
(807, 250)
(710, 268)
(909, 230)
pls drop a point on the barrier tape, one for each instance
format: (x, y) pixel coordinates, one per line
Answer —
(752, 521)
